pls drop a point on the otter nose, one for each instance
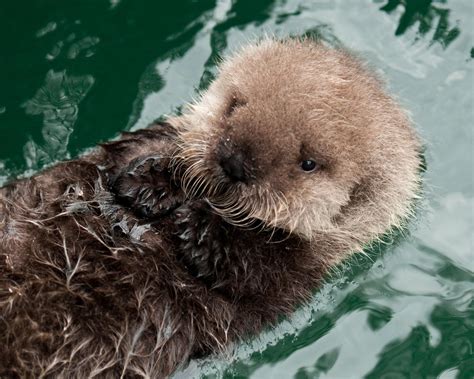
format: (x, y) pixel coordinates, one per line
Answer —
(233, 167)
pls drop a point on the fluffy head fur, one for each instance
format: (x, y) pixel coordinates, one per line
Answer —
(279, 103)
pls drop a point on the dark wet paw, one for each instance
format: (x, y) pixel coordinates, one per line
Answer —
(146, 186)
(203, 237)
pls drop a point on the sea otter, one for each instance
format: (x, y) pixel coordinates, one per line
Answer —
(174, 241)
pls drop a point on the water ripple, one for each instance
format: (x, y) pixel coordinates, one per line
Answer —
(57, 101)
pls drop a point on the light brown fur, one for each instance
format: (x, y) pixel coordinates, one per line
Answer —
(291, 93)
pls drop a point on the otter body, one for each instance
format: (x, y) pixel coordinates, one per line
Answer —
(179, 239)
(92, 286)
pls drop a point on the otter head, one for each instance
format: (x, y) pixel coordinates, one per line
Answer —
(301, 137)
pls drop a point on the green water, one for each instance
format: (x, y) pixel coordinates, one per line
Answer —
(73, 73)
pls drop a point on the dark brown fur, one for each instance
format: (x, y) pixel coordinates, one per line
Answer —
(126, 263)
(90, 288)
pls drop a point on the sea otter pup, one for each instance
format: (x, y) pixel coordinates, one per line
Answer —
(174, 241)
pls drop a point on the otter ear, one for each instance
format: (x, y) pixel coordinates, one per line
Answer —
(234, 103)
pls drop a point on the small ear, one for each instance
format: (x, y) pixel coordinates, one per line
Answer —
(234, 103)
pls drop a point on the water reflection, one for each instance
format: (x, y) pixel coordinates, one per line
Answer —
(85, 45)
(324, 363)
(57, 101)
(189, 67)
(428, 14)
(240, 15)
(417, 352)
(171, 80)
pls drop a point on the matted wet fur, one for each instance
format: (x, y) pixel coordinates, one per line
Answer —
(179, 239)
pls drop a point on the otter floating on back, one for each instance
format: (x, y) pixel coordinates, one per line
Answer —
(179, 239)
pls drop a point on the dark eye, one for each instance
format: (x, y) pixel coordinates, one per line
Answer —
(309, 165)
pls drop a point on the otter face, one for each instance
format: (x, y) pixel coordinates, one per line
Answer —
(285, 135)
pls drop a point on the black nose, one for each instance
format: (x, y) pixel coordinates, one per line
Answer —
(233, 167)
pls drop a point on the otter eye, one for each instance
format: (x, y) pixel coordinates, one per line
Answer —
(309, 165)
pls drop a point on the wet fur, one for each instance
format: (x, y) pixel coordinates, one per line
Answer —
(131, 260)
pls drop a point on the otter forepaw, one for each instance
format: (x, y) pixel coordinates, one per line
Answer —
(146, 186)
(202, 235)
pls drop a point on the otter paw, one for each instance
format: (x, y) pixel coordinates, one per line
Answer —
(202, 237)
(146, 186)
